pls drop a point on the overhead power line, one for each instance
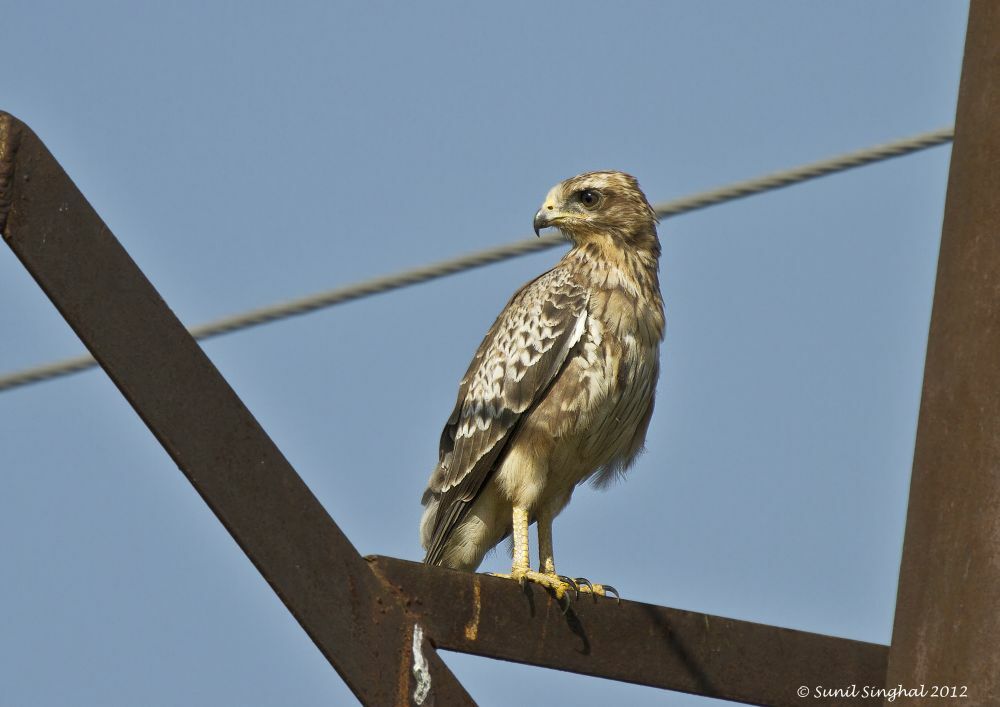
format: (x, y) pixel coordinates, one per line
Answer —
(328, 298)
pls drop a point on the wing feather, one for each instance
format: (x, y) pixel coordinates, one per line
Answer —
(518, 359)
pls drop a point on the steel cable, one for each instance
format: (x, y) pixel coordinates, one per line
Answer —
(328, 298)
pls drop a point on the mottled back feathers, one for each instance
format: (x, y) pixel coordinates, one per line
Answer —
(517, 360)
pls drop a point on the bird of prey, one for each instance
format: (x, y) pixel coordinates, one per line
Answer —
(561, 388)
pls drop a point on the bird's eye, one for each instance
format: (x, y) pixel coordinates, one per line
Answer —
(589, 198)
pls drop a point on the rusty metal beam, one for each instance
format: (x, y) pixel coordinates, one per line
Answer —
(634, 642)
(239, 472)
(948, 604)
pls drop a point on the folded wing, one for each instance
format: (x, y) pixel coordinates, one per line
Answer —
(522, 354)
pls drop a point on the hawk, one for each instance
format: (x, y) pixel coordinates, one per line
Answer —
(561, 389)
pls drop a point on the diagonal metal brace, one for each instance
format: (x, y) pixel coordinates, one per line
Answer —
(360, 627)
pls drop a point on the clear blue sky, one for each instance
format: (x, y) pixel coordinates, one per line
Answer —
(246, 153)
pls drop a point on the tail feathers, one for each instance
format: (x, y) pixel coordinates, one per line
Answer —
(428, 521)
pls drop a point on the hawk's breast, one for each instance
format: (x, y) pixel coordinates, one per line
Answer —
(614, 369)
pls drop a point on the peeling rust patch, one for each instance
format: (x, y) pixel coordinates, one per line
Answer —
(472, 628)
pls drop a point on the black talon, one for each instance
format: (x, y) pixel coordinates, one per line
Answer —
(572, 583)
(609, 588)
(565, 607)
(589, 584)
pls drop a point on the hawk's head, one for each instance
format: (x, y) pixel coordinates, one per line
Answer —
(606, 207)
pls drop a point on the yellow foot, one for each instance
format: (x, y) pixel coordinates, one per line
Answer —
(559, 585)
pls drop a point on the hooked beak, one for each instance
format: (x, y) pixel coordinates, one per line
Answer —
(541, 221)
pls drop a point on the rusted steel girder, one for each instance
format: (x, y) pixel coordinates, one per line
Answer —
(229, 459)
(634, 642)
(947, 627)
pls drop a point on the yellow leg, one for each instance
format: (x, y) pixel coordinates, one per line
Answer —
(520, 533)
(546, 560)
(520, 569)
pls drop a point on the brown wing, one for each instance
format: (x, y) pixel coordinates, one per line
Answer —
(514, 366)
